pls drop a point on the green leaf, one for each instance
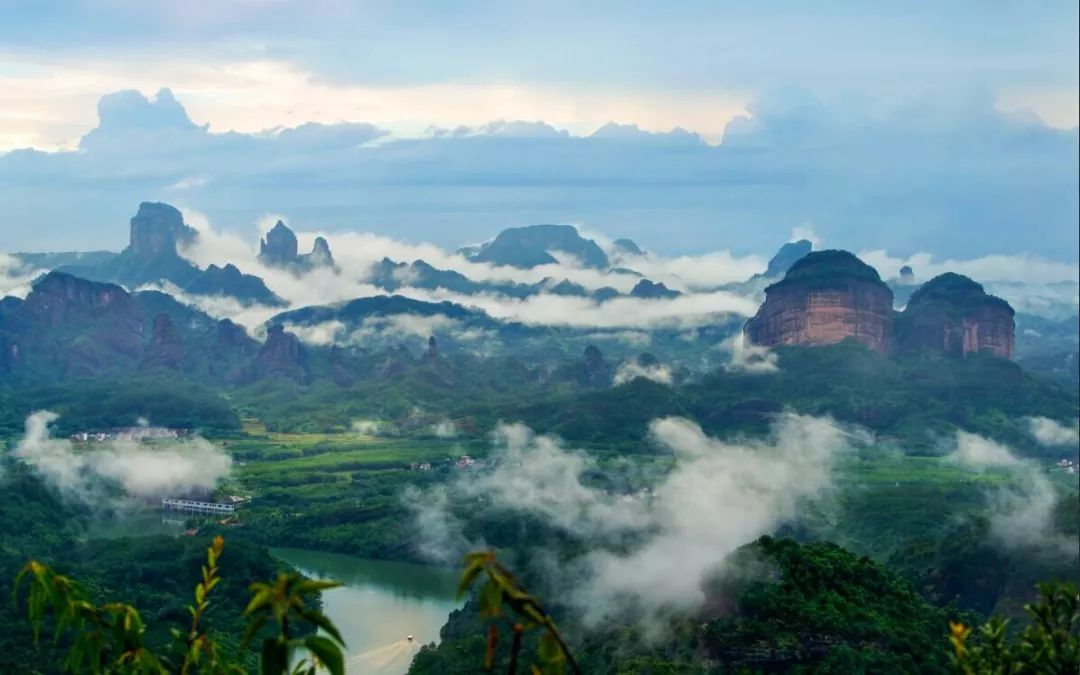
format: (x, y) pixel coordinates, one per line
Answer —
(328, 652)
(490, 600)
(253, 627)
(549, 649)
(468, 576)
(316, 585)
(275, 657)
(321, 621)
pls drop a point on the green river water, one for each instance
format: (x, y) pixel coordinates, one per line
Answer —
(380, 605)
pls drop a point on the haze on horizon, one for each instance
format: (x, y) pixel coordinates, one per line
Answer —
(734, 124)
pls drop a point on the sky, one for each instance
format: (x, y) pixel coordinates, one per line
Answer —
(948, 127)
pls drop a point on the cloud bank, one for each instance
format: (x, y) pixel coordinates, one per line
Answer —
(718, 496)
(940, 171)
(139, 471)
(1022, 514)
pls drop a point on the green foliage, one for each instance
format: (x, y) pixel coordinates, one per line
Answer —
(1049, 644)
(285, 602)
(112, 637)
(501, 596)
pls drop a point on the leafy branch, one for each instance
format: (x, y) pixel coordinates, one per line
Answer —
(501, 590)
(283, 602)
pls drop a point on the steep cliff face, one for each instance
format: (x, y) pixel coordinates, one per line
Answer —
(280, 247)
(158, 228)
(953, 314)
(166, 347)
(280, 354)
(60, 299)
(71, 327)
(824, 298)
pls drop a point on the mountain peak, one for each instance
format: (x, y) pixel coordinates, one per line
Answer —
(531, 245)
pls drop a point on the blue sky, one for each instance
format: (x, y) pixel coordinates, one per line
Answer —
(944, 126)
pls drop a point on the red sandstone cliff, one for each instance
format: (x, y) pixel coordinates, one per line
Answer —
(953, 314)
(825, 297)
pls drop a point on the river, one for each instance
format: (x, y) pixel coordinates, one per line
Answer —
(380, 605)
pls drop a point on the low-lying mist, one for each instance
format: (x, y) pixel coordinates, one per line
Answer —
(718, 496)
(125, 468)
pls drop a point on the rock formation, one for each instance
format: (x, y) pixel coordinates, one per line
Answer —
(166, 348)
(529, 246)
(907, 275)
(596, 372)
(432, 351)
(788, 255)
(953, 314)
(825, 297)
(320, 255)
(279, 248)
(648, 289)
(158, 228)
(60, 299)
(280, 354)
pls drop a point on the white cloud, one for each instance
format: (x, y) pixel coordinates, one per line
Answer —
(719, 496)
(628, 370)
(369, 427)
(15, 277)
(173, 469)
(748, 358)
(975, 452)
(444, 429)
(1022, 514)
(1049, 432)
(1018, 267)
(55, 99)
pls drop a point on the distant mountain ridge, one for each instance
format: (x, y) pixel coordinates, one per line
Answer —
(152, 257)
(531, 246)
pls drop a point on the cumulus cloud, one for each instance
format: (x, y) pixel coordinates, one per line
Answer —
(975, 452)
(142, 471)
(444, 429)
(718, 496)
(16, 277)
(746, 357)
(770, 172)
(369, 427)
(1049, 432)
(1012, 267)
(1021, 514)
(628, 370)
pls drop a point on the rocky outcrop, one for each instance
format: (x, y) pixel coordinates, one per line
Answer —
(280, 354)
(320, 255)
(230, 281)
(907, 275)
(71, 327)
(627, 247)
(60, 299)
(158, 228)
(166, 348)
(530, 246)
(597, 373)
(648, 289)
(279, 248)
(432, 351)
(954, 315)
(788, 255)
(825, 297)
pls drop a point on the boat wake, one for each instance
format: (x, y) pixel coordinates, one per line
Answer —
(391, 659)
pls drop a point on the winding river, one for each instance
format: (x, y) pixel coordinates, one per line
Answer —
(380, 605)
